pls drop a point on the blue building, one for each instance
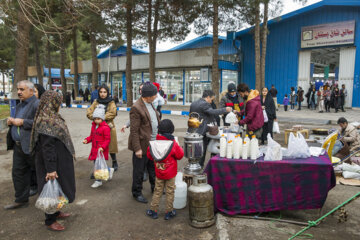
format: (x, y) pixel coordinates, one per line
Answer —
(318, 43)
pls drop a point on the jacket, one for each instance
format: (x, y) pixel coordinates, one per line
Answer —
(25, 129)
(300, 95)
(99, 138)
(351, 136)
(286, 101)
(165, 153)
(254, 117)
(227, 101)
(269, 106)
(140, 127)
(94, 96)
(206, 112)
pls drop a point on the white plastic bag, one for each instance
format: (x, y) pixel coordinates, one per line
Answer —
(276, 128)
(317, 151)
(266, 119)
(273, 152)
(101, 170)
(348, 174)
(298, 147)
(231, 118)
(52, 198)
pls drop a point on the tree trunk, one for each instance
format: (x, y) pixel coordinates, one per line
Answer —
(76, 67)
(129, 83)
(22, 49)
(257, 46)
(264, 43)
(152, 33)
(215, 81)
(3, 73)
(62, 66)
(94, 77)
(37, 60)
(49, 63)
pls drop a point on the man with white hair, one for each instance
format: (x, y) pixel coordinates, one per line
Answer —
(18, 139)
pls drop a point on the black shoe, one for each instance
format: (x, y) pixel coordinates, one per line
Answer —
(33, 191)
(92, 176)
(145, 178)
(115, 165)
(141, 199)
(16, 205)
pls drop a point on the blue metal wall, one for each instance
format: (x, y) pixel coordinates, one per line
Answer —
(284, 44)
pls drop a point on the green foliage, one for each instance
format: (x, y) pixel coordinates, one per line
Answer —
(7, 48)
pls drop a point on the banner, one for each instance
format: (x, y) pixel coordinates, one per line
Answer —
(337, 33)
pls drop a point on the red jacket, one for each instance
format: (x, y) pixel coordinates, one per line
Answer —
(254, 117)
(169, 151)
(99, 137)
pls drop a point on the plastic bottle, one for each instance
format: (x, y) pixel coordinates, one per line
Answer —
(223, 146)
(237, 147)
(254, 146)
(245, 147)
(180, 194)
(229, 149)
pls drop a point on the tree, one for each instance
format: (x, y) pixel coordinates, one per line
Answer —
(76, 68)
(7, 51)
(129, 36)
(35, 42)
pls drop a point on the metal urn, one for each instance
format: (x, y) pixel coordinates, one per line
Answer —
(193, 151)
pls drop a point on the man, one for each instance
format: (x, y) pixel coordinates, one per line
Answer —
(300, 97)
(18, 139)
(343, 95)
(94, 94)
(254, 118)
(349, 134)
(207, 115)
(161, 92)
(233, 100)
(273, 92)
(144, 121)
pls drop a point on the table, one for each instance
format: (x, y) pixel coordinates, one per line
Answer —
(288, 131)
(244, 186)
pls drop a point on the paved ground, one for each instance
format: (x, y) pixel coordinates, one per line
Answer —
(111, 213)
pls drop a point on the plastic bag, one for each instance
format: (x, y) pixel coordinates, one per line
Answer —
(273, 152)
(266, 119)
(298, 147)
(101, 170)
(276, 128)
(52, 198)
(231, 118)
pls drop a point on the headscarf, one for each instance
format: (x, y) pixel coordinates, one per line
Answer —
(107, 100)
(40, 89)
(49, 122)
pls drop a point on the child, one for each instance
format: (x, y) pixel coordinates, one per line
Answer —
(164, 151)
(100, 139)
(286, 102)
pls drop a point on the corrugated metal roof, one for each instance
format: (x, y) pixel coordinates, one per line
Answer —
(199, 42)
(121, 51)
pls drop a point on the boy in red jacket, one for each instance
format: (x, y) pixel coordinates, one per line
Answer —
(100, 139)
(165, 152)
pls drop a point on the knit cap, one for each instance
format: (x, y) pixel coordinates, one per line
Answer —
(166, 126)
(99, 112)
(148, 90)
(231, 88)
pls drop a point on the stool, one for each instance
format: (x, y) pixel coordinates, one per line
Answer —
(304, 132)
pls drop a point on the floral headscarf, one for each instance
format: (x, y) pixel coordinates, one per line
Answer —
(49, 122)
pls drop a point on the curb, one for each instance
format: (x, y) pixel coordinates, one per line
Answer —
(127, 109)
(221, 223)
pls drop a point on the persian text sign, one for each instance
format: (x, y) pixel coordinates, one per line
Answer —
(338, 33)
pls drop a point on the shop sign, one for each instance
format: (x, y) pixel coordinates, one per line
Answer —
(337, 33)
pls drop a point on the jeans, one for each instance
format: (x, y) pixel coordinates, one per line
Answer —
(337, 147)
(292, 106)
(299, 106)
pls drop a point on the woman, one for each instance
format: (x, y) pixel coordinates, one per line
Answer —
(86, 95)
(39, 90)
(336, 99)
(321, 99)
(313, 98)
(300, 97)
(268, 105)
(327, 97)
(54, 152)
(292, 98)
(110, 108)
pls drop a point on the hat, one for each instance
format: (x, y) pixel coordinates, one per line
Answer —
(166, 126)
(99, 112)
(231, 88)
(148, 90)
(157, 85)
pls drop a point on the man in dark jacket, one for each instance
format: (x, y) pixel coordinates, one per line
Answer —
(273, 92)
(207, 115)
(94, 94)
(18, 139)
(254, 118)
(300, 96)
(231, 99)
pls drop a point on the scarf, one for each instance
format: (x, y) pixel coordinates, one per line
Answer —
(49, 122)
(104, 101)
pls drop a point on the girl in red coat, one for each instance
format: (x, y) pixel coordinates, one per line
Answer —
(100, 139)
(165, 152)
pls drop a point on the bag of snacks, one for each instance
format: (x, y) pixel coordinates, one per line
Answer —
(101, 170)
(52, 199)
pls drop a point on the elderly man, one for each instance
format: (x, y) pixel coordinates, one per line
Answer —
(19, 139)
(348, 134)
(207, 114)
(144, 120)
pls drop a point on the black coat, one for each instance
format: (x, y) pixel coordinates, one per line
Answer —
(52, 155)
(270, 108)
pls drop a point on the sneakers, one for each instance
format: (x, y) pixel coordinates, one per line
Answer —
(152, 214)
(96, 184)
(111, 173)
(170, 215)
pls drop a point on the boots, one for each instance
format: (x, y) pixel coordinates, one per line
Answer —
(114, 162)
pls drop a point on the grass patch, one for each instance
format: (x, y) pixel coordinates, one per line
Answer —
(4, 111)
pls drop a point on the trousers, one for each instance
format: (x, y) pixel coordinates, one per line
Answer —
(158, 192)
(51, 218)
(139, 166)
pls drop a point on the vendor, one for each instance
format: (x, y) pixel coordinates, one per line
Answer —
(231, 99)
(348, 134)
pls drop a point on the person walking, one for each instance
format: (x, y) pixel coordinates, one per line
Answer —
(110, 114)
(68, 99)
(321, 99)
(273, 93)
(336, 99)
(327, 98)
(292, 98)
(94, 94)
(144, 121)
(54, 152)
(300, 97)
(18, 139)
(207, 115)
(268, 105)
(231, 99)
(343, 95)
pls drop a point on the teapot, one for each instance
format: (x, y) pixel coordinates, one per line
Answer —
(194, 121)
